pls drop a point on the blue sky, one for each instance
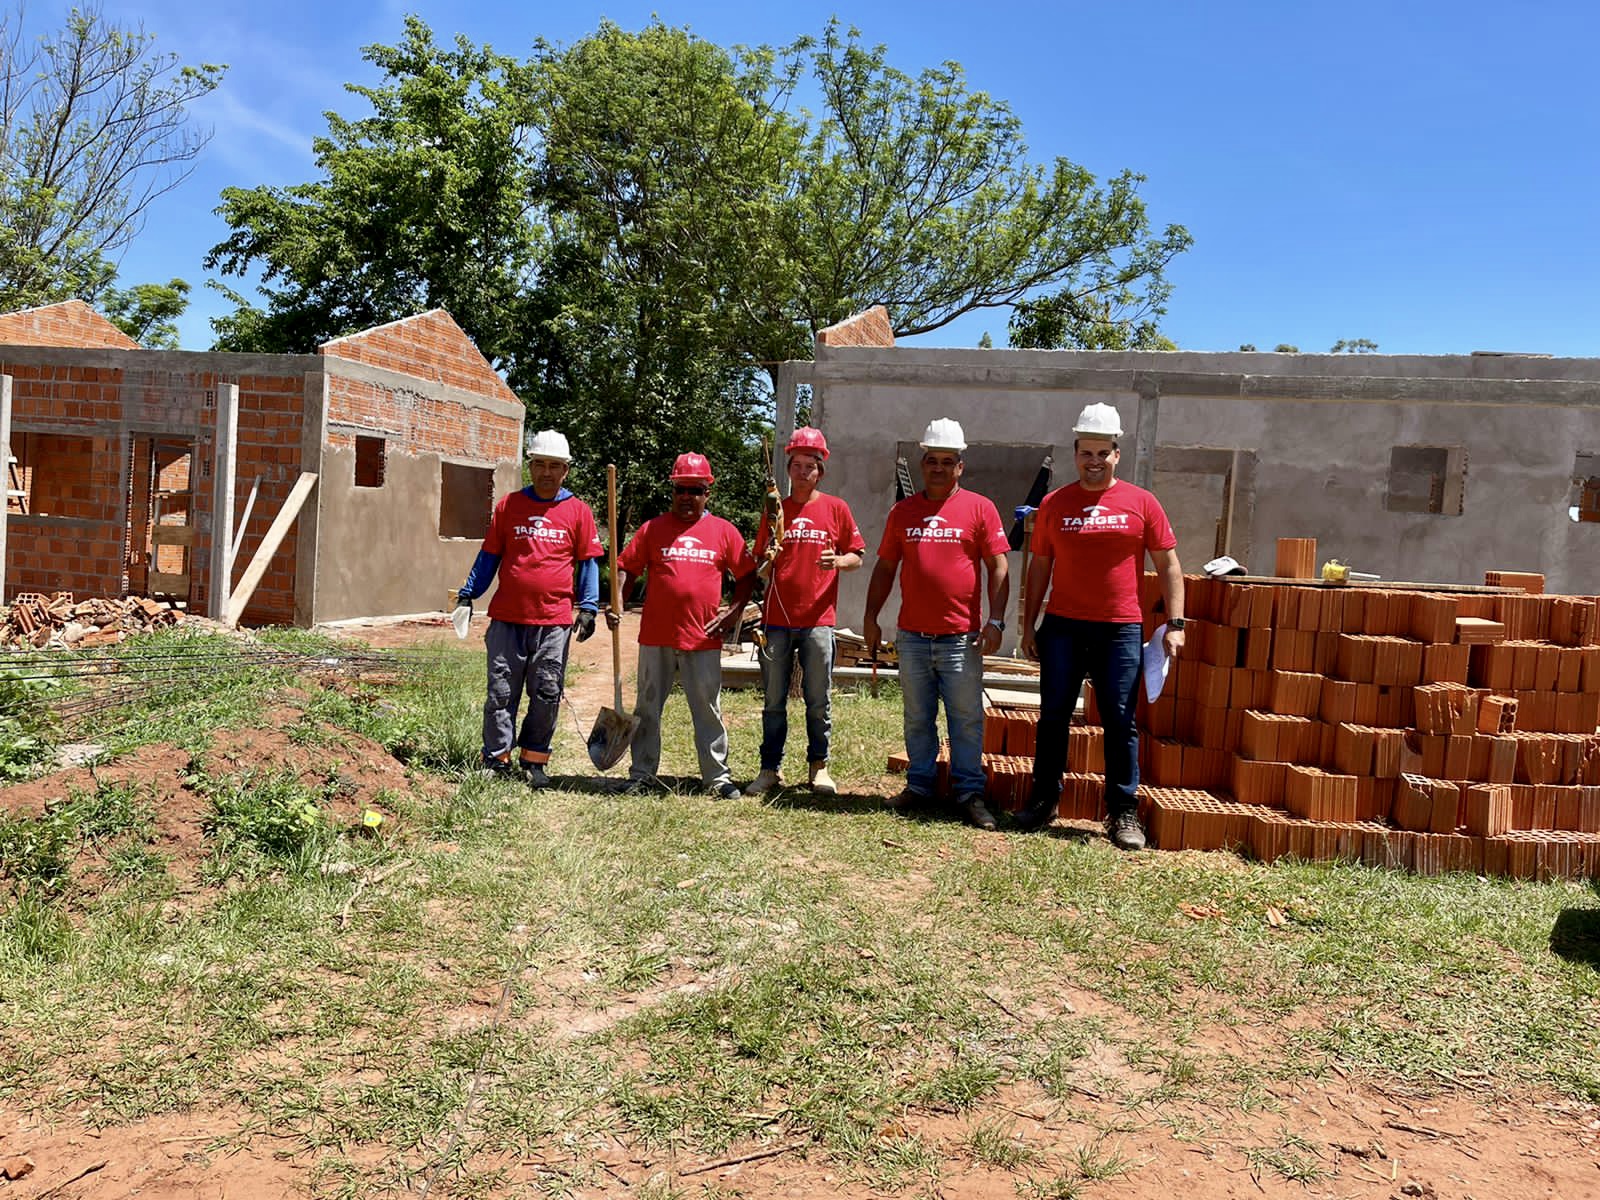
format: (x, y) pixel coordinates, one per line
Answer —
(1420, 174)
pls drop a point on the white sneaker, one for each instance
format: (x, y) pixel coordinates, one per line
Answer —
(763, 783)
(821, 782)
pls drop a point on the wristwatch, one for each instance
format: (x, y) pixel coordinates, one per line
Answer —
(998, 624)
(1176, 623)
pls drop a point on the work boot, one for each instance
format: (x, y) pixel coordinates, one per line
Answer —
(905, 800)
(1038, 813)
(974, 810)
(638, 787)
(767, 781)
(726, 790)
(500, 768)
(533, 774)
(821, 782)
(1125, 831)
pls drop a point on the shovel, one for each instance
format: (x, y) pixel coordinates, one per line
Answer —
(613, 729)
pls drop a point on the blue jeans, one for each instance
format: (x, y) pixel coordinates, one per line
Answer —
(814, 647)
(946, 667)
(1108, 653)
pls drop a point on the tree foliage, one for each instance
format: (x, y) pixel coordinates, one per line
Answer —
(918, 194)
(148, 312)
(94, 126)
(426, 203)
(636, 228)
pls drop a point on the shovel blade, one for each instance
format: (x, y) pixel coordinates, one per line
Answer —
(611, 736)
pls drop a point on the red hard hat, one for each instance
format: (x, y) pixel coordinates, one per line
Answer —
(691, 466)
(807, 438)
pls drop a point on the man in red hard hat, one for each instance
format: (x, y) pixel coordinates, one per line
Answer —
(819, 540)
(683, 555)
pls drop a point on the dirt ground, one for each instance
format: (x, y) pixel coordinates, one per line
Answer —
(1361, 1140)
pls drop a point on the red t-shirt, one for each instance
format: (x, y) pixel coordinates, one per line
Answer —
(684, 561)
(540, 543)
(1098, 541)
(942, 545)
(800, 594)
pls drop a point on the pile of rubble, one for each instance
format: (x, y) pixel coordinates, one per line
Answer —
(59, 621)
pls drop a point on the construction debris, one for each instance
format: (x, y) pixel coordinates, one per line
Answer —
(59, 621)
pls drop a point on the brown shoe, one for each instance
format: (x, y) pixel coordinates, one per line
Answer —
(974, 810)
(905, 800)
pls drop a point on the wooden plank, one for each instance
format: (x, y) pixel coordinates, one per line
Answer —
(1380, 584)
(172, 535)
(269, 546)
(167, 583)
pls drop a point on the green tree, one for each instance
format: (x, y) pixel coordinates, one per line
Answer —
(148, 312)
(428, 202)
(1354, 346)
(637, 228)
(94, 126)
(918, 194)
(662, 181)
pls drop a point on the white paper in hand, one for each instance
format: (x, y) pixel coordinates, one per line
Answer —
(1156, 663)
(462, 619)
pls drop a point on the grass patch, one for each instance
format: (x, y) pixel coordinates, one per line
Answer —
(688, 975)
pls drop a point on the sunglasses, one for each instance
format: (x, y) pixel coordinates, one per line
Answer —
(689, 491)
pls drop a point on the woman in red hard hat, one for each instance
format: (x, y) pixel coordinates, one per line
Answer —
(819, 540)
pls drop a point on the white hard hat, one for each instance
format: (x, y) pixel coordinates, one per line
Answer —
(1226, 565)
(547, 443)
(944, 434)
(1098, 420)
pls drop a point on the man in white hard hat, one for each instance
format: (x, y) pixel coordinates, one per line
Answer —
(539, 538)
(942, 539)
(1089, 542)
(684, 555)
(819, 540)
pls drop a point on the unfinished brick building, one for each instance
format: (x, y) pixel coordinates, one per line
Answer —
(158, 473)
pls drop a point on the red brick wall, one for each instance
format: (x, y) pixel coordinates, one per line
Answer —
(421, 424)
(87, 555)
(429, 346)
(271, 423)
(70, 323)
(870, 328)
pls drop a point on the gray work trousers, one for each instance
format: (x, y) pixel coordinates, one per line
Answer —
(524, 658)
(700, 673)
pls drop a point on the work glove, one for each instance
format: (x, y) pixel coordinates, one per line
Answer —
(463, 596)
(583, 624)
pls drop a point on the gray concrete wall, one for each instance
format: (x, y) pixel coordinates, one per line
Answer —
(1315, 432)
(378, 549)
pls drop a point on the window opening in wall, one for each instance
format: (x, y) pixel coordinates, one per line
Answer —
(466, 498)
(53, 473)
(370, 460)
(1585, 500)
(1427, 479)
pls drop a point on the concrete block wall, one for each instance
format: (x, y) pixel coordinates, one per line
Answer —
(1314, 433)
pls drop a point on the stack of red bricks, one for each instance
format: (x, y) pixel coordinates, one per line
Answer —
(1406, 728)
(34, 619)
(1434, 730)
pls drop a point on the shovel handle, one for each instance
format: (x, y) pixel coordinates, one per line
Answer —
(616, 582)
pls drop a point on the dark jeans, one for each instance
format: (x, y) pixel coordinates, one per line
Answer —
(1109, 654)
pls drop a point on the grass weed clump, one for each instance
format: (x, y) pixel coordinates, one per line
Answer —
(265, 819)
